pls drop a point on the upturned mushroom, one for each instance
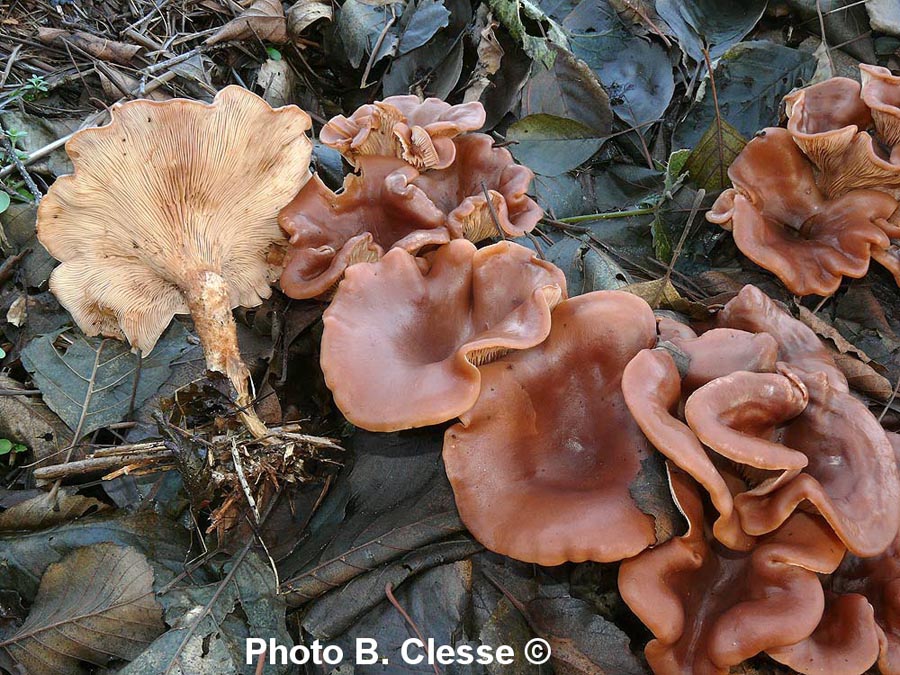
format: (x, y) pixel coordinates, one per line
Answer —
(547, 467)
(404, 336)
(418, 132)
(783, 222)
(377, 210)
(172, 209)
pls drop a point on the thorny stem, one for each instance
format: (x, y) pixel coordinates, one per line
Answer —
(207, 297)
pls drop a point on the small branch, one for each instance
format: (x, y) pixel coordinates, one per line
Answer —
(572, 220)
(14, 157)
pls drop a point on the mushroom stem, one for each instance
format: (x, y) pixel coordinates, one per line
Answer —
(207, 297)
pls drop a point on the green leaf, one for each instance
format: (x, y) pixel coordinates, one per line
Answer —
(4, 204)
(552, 145)
(91, 384)
(708, 162)
(751, 79)
(6, 446)
(510, 13)
(273, 53)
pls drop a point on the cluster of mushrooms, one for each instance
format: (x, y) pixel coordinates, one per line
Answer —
(562, 406)
(817, 201)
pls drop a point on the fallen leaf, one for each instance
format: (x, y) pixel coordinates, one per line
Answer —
(552, 145)
(26, 420)
(854, 363)
(46, 510)
(100, 48)
(276, 79)
(95, 605)
(489, 52)
(93, 382)
(263, 20)
(18, 311)
(661, 294)
(715, 151)
(305, 13)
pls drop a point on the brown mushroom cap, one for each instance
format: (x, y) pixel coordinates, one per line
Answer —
(825, 118)
(481, 169)
(851, 478)
(652, 389)
(846, 642)
(710, 608)
(543, 464)
(418, 132)
(377, 210)
(722, 351)
(782, 221)
(173, 208)
(400, 345)
(753, 311)
(881, 92)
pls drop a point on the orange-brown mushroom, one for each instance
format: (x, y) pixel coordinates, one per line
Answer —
(711, 608)
(543, 466)
(418, 132)
(753, 311)
(172, 209)
(881, 93)
(401, 344)
(654, 387)
(378, 209)
(484, 192)
(862, 616)
(782, 221)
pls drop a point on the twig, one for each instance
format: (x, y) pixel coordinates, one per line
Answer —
(6, 269)
(9, 64)
(824, 40)
(377, 48)
(389, 592)
(723, 178)
(95, 465)
(14, 157)
(242, 479)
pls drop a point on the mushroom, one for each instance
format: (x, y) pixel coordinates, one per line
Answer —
(824, 119)
(881, 93)
(654, 388)
(377, 210)
(403, 337)
(710, 608)
(172, 209)
(783, 222)
(862, 617)
(753, 311)
(418, 132)
(484, 192)
(547, 467)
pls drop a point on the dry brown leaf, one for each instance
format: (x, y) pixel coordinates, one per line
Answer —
(45, 510)
(305, 13)
(95, 605)
(26, 420)
(661, 294)
(263, 20)
(489, 55)
(100, 48)
(117, 83)
(853, 362)
(276, 80)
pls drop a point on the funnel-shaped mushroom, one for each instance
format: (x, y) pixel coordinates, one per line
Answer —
(401, 345)
(418, 132)
(547, 466)
(782, 221)
(484, 192)
(173, 209)
(377, 210)
(711, 608)
(824, 119)
(881, 92)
